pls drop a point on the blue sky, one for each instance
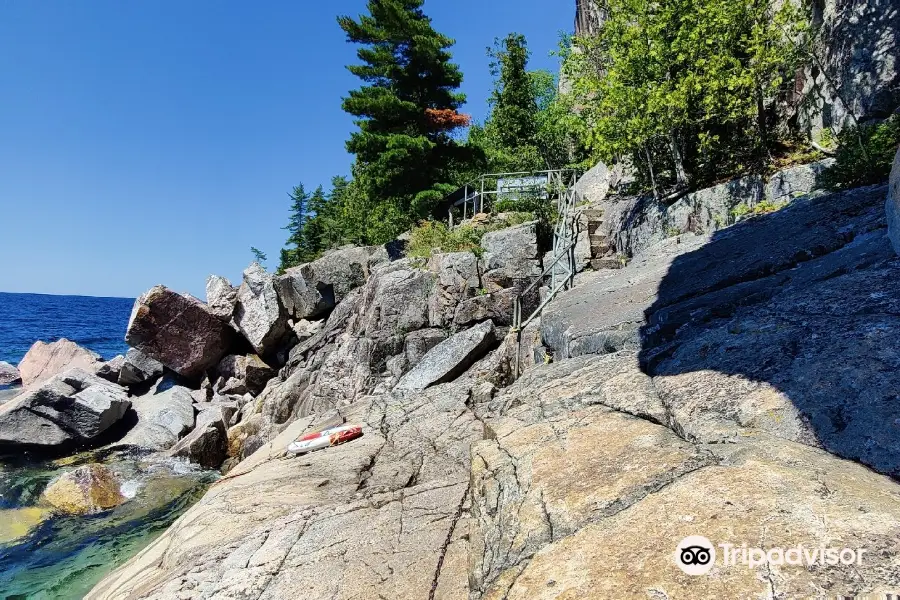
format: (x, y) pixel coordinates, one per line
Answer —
(154, 141)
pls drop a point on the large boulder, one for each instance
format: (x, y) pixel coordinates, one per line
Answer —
(893, 205)
(207, 444)
(221, 297)
(458, 279)
(302, 296)
(44, 360)
(87, 490)
(514, 250)
(312, 290)
(342, 270)
(138, 368)
(178, 331)
(111, 369)
(163, 418)
(260, 314)
(72, 408)
(8, 374)
(419, 342)
(450, 358)
(242, 374)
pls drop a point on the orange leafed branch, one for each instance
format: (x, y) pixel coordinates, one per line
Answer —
(447, 118)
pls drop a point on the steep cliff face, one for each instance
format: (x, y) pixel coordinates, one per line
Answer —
(588, 16)
(858, 70)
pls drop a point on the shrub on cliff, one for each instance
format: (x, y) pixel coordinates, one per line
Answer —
(865, 155)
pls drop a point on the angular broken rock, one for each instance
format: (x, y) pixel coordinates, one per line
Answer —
(72, 408)
(139, 368)
(110, 369)
(301, 296)
(44, 360)
(163, 417)
(207, 444)
(260, 314)
(179, 332)
(893, 205)
(221, 297)
(242, 374)
(8, 374)
(450, 358)
(418, 343)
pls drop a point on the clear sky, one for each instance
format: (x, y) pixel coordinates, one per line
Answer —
(154, 141)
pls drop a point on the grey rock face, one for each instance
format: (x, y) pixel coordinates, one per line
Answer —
(496, 306)
(514, 250)
(260, 314)
(303, 297)
(110, 369)
(221, 297)
(242, 374)
(395, 300)
(450, 358)
(72, 408)
(163, 417)
(8, 374)
(138, 368)
(594, 184)
(177, 331)
(207, 444)
(893, 205)
(458, 279)
(342, 270)
(418, 343)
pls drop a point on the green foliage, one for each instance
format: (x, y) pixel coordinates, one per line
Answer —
(258, 255)
(865, 155)
(686, 88)
(404, 156)
(530, 126)
(762, 208)
(434, 235)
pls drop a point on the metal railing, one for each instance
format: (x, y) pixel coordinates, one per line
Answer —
(562, 266)
(488, 188)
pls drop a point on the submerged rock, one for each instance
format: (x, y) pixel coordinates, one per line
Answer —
(15, 523)
(87, 490)
(72, 408)
(8, 374)
(178, 331)
(44, 360)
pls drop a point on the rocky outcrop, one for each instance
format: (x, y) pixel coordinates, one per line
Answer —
(44, 360)
(163, 417)
(221, 297)
(178, 331)
(399, 493)
(458, 279)
(450, 358)
(513, 251)
(139, 368)
(110, 369)
(242, 375)
(260, 314)
(893, 205)
(207, 444)
(418, 343)
(70, 409)
(8, 374)
(87, 490)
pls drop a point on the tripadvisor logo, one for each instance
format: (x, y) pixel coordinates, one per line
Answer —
(696, 555)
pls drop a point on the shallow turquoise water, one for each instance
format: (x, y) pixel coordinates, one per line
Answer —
(65, 556)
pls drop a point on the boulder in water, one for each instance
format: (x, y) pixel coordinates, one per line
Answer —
(178, 331)
(87, 490)
(74, 407)
(17, 522)
(44, 360)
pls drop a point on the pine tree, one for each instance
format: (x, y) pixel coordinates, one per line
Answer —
(405, 110)
(297, 246)
(515, 108)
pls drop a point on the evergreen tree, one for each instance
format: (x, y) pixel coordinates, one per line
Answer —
(515, 108)
(406, 110)
(297, 246)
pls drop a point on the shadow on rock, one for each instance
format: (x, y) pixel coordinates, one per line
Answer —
(787, 323)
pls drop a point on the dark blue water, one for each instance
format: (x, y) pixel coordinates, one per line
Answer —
(94, 323)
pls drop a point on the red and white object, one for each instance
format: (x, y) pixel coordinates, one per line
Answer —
(334, 436)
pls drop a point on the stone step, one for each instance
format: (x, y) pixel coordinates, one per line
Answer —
(600, 250)
(593, 226)
(593, 214)
(606, 263)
